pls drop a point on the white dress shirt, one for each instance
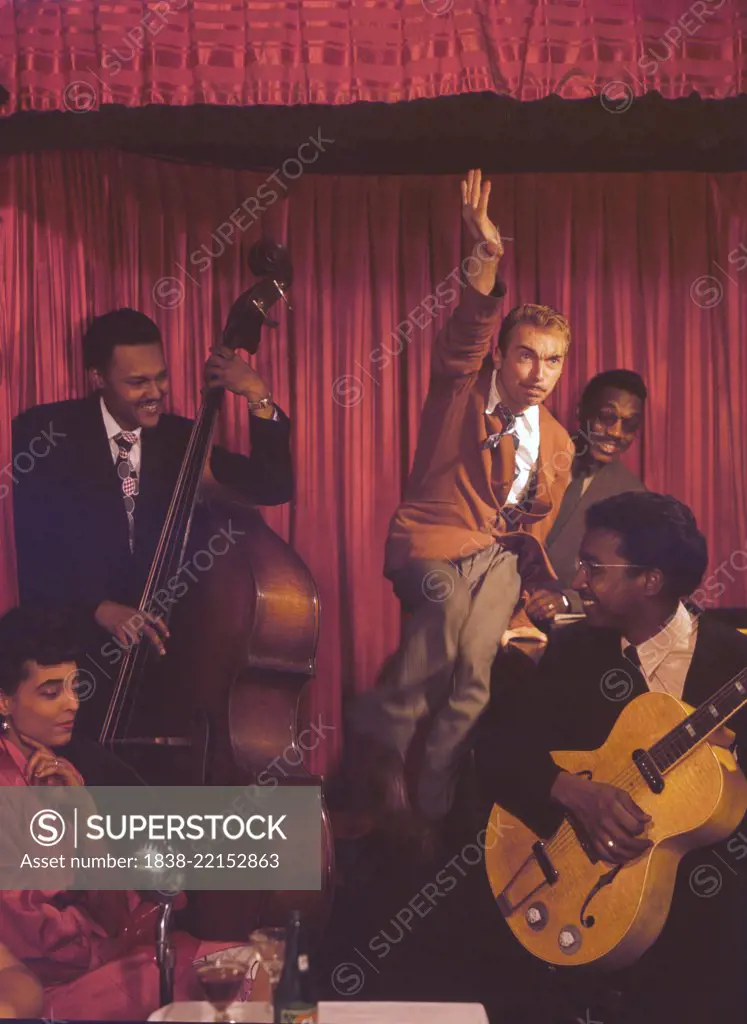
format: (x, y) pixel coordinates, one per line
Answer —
(527, 429)
(666, 656)
(112, 429)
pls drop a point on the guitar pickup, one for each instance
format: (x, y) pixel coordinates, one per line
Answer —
(545, 864)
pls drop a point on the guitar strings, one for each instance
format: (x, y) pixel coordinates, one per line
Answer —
(630, 778)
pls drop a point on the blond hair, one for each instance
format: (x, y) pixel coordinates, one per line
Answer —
(536, 316)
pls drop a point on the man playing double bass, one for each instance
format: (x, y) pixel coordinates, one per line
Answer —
(89, 512)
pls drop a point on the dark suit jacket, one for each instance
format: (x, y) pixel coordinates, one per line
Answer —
(564, 539)
(565, 707)
(70, 522)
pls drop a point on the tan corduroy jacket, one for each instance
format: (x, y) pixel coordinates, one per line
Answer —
(456, 489)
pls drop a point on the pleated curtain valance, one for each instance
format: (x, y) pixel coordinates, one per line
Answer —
(77, 55)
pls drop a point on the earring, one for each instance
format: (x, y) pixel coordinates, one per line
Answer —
(6, 724)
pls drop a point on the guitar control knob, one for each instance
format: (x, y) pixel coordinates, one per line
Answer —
(569, 939)
(536, 916)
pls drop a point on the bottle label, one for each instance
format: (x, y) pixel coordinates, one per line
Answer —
(306, 1015)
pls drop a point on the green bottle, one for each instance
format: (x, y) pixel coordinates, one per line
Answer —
(295, 999)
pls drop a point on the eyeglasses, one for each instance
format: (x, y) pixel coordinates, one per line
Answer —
(630, 424)
(583, 565)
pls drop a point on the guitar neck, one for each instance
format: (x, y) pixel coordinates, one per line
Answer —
(701, 723)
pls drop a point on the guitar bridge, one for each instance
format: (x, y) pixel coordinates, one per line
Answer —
(526, 882)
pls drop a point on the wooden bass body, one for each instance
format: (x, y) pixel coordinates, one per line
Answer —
(595, 912)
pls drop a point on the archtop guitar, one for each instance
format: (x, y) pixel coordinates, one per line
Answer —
(568, 907)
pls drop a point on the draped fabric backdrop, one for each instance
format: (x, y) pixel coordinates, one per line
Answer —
(78, 54)
(650, 268)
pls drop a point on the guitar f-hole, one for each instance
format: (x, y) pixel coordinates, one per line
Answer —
(606, 879)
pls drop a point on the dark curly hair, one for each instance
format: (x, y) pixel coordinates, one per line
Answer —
(48, 636)
(623, 380)
(119, 327)
(657, 531)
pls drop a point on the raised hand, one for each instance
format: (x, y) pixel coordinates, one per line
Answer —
(475, 196)
(226, 369)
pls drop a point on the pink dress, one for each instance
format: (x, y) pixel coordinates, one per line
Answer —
(60, 937)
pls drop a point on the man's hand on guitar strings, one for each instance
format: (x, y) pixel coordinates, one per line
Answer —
(612, 820)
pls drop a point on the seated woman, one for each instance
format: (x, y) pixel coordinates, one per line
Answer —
(92, 951)
(21, 995)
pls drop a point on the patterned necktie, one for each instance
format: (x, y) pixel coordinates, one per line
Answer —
(508, 423)
(128, 478)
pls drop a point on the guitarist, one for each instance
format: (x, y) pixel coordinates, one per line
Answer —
(640, 555)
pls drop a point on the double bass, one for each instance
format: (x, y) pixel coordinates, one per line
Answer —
(221, 708)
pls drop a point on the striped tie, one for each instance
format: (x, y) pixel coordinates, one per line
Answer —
(128, 477)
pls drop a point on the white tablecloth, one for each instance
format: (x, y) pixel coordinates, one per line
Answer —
(338, 1013)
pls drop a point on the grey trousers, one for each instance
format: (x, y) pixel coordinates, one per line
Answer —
(443, 665)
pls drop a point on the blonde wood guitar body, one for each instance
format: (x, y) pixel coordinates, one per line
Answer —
(572, 923)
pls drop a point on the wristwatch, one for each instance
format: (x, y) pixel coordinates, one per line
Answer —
(262, 403)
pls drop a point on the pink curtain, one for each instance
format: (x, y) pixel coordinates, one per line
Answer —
(650, 268)
(78, 54)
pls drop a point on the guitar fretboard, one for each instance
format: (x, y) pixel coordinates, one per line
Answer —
(694, 729)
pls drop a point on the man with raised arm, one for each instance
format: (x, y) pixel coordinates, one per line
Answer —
(465, 545)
